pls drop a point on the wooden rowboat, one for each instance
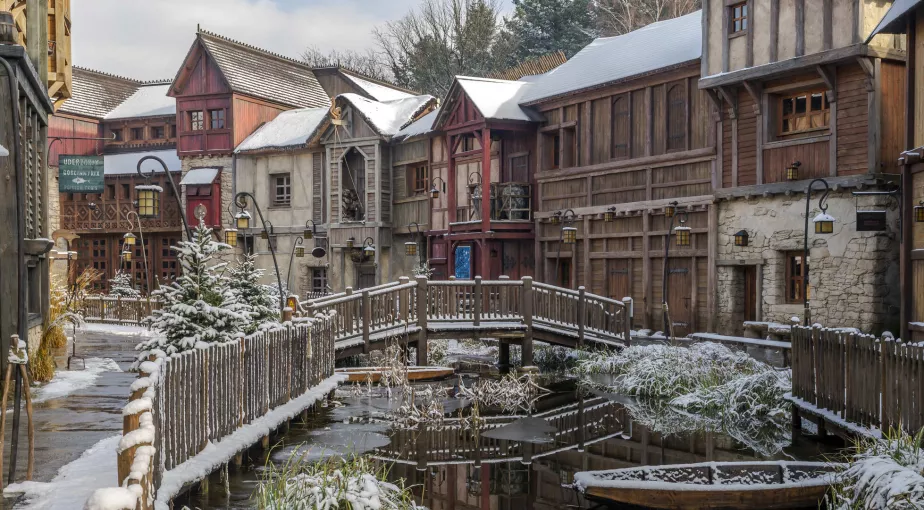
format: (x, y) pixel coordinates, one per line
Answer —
(712, 485)
(362, 374)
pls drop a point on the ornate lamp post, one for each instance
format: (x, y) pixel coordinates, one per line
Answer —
(567, 235)
(243, 221)
(309, 230)
(683, 239)
(298, 250)
(824, 224)
(149, 196)
(130, 241)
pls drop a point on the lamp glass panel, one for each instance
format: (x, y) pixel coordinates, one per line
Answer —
(231, 238)
(919, 214)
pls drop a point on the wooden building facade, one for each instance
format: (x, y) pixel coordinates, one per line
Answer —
(799, 88)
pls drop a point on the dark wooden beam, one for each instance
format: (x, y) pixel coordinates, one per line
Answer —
(732, 100)
(799, 6)
(774, 29)
(828, 75)
(827, 19)
(756, 93)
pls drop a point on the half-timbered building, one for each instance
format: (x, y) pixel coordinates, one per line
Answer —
(802, 96)
(122, 120)
(625, 134)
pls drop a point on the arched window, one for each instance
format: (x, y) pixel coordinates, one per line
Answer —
(676, 118)
(621, 127)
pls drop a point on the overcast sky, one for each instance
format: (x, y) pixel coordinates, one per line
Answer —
(148, 40)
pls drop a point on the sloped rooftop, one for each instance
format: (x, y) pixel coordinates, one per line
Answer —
(290, 129)
(150, 100)
(95, 94)
(389, 117)
(498, 99)
(421, 126)
(378, 91)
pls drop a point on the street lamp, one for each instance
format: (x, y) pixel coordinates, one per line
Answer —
(824, 224)
(434, 191)
(267, 232)
(683, 239)
(298, 251)
(567, 235)
(149, 195)
(243, 221)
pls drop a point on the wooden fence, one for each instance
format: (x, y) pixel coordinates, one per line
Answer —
(118, 309)
(864, 380)
(467, 305)
(181, 403)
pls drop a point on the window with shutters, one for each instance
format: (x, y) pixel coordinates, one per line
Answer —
(676, 118)
(795, 277)
(621, 126)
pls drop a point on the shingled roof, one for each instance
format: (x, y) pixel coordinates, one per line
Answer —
(95, 94)
(262, 74)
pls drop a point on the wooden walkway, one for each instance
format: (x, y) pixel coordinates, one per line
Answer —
(512, 311)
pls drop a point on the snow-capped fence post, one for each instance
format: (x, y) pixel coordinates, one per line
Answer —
(367, 319)
(581, 315)
(422, 309)
(526, 311)
(627, 320)
(476, 307)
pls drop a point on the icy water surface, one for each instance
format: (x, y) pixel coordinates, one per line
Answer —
(518, 462)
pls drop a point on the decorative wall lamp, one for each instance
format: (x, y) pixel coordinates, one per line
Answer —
(309, 230)
(149, 195)
(741, 238)
(610, 214)
(919, 213)
(267, 231)
(369, 247)
(410, 248)
(567, 235)
(792, 171)
(824, 224)
(435, 191)
(350, 243)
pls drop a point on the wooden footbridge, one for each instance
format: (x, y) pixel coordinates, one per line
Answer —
(512, 311)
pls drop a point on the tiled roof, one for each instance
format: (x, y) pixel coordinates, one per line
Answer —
(262, 74)
(95, 94)
(150, 100)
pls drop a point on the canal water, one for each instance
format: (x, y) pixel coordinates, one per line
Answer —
(518, 460)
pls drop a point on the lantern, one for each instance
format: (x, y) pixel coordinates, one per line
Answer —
(555, 219)
(148, 201)
(127, 256)
(609, 215)
(792, 171)
(824, 223)
(129, 239)
(308, 234)
(350, 243)
(410, 249)
(434, 192)
(683, 235)
(231, 237)
(919, 213)
(264, 235)
(741, 238)
(369, 250)
(299, 251)
(670, 210)
(243, 220)
(569, 235)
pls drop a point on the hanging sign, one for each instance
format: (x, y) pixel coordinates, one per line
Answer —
(80, 174)
(872, 221)
(464, 263)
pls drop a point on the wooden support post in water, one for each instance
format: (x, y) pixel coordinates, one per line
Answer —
(476, 306)
(526, 310)
(367, 319)
(581, 307)
(503, 357)
(422, 320)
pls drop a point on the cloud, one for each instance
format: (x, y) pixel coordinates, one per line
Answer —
(148, 40)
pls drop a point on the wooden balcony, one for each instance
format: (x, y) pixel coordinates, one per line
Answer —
(510, 202)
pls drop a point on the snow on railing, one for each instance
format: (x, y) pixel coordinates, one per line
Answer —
(119, 309)
(185, 403)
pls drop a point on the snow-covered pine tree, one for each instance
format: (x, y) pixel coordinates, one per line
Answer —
(245, 283)
(199, 306)
(121, 286)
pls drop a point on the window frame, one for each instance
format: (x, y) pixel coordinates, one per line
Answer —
(790, 277)
(195, 120)
(742, 18)
(418, 178)
(319, 280)
(158, 132)
(825, 111)
(275, 188)
(137, 133)
(217, 116)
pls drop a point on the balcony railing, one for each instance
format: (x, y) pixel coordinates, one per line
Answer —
(510, 201)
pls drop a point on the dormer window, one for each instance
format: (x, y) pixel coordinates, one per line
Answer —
(737, 18)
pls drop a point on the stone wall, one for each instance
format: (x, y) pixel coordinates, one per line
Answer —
(58, 267)
(227, 182)
(853, 275)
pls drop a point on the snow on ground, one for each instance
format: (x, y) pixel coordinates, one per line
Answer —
(116, 329)
(66, 382)
(75, 482)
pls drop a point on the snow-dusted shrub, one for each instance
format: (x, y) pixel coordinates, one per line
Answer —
(883, 473)
(244, 281)
(334, 483)
(509, 393)
(121, 286)
(199, 306)
(553, 358)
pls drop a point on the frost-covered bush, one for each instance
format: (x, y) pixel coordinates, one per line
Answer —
(553, 358)
(335, 483)
(199, 306)
(244, 281)
(883, 473)
(121, 286)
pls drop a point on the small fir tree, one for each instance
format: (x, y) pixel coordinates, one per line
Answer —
(199, 306)
(245, 284)
(121, 286)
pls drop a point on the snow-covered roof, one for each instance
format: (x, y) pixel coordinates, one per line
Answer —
(123, 164)
(148, 101)
(419, 127)
(293, 128)
(498, 99)
(389, 117)
(200, 176)
(378, 91)
(609, 59)
(894, 20)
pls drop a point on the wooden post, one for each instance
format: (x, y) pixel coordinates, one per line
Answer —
(422, 320)
(476, 306)
(503, 356)
(627, 320)
(526, 310)
(367, 318)
(403, 297)
(582, 306)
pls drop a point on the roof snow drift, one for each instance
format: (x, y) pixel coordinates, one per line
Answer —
(378, 91)
(389, 117)
(609, 59)
(123, 164)
(498, 99)
(200, 176)
(148, 101)
(291, 129)
(421, 126)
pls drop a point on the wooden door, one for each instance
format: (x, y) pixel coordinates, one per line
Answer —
(365, 276)
(679, 296)
(750, 293)
(617, 279)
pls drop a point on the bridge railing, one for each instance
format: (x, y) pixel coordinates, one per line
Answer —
(118, 309)
(414, 306)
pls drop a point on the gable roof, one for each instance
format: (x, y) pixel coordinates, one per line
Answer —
(532, 67)
(494, 99)
(375, 89)
(289, 130)
(421, 126)
(609, 59)
(262, 74)
(149, 100)
(894, 20)
(389, 117)
(95, 94)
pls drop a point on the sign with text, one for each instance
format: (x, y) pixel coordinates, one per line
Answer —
(80, 174)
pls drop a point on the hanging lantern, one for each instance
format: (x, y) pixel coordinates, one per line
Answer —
(264, 235)
(369, 250)
(243, 220)
(410, 249)
(127, 256)
(148, 201)
(434, 192)
(792, 171)
(351, 242)
(308, 234)
(683, 235)
(129, 239)
(609, 215)
(741, 238)
(555, 219)
(824, 223)
(569, 235)
(670, 210)
(231, 237)
(919, 213)
(299, 251)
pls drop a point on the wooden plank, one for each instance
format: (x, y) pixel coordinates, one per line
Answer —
(799, 7)
(734, 151)
(749, 49)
